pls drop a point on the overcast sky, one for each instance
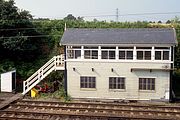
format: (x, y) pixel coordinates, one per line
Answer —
(56, 9)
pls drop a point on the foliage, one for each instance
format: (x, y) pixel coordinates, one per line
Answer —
(62, 95)
(20, 44)
(70, 17)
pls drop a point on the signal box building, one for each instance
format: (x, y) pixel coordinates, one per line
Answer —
(127, 64)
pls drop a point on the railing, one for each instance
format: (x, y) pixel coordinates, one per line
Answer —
(56, 63)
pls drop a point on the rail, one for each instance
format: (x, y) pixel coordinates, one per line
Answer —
(56, 63)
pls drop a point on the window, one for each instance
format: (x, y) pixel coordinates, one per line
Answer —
(90, 52)
(73, 52)
(87, 82)
(165, 55)
(108, 52)
(158, 55)
(126, 53)
(162, 53)
(146, 83)
(116, 83)
(144, 54)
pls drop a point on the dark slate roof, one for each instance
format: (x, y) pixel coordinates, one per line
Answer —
(79, 36)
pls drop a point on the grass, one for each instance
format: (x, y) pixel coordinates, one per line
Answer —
(57, 95)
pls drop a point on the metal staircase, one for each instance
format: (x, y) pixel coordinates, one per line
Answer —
(56, 63)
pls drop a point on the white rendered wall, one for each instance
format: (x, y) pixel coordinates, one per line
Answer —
(6, 82)
(102, 72)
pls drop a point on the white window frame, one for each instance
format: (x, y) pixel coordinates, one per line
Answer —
(70, 48)
(108, 57)
(126, 50)
(91, 51)
(162, 52)
(143, 50)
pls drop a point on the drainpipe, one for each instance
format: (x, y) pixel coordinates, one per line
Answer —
(65, 71)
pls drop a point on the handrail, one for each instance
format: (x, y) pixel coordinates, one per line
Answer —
(47, 68)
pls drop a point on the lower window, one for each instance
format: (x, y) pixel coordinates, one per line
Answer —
(87, 82)
(116, 83)
(146, 83)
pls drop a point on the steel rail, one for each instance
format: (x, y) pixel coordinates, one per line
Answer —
(65, 115)
(102, 105)
(100, 111)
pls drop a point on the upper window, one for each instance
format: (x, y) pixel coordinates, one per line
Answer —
(161, 55)
(143, 53)
(74, 52)
(116, 83)
(91, 52)
(108, 52)
(126, 53)
(146, 83)
(87, 82)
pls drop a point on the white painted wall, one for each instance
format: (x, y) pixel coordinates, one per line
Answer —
(102, 72)
(6, 82)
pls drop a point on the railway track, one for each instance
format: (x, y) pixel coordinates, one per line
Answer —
(38, 110)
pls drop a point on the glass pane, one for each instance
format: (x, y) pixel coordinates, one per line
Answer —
(165, 55)
(70, 53)
(140, 55)
(90, 47)
(153, 87)
(76, 47)
(129, 55)
(77, 54)
(108, 47)
(143, 48)
(104, 54)
(111, 54)
(157, 55)
(87, 54)
(121, 54)
(94, 54)
(147, 55)
(125, 47)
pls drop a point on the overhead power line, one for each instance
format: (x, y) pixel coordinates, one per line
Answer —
(28, 28)
(35, 36)
(133, 14)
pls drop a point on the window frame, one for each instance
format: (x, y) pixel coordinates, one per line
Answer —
(145, 85)
(126, 50)
(91, 50)
(117, 83)
(162, 54)
(71, 52)
(87, 82)
(108, 50)
(144, 50)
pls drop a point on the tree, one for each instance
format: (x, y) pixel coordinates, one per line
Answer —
(175, 20)
(19, 41)
(159, 21)
(70, 17)
(168, 22)
(80, 19)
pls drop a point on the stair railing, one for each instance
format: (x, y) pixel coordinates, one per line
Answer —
(45, 70)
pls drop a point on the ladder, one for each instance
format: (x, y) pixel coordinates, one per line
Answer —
(56, 63)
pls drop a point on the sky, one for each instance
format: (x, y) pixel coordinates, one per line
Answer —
(58, 9)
